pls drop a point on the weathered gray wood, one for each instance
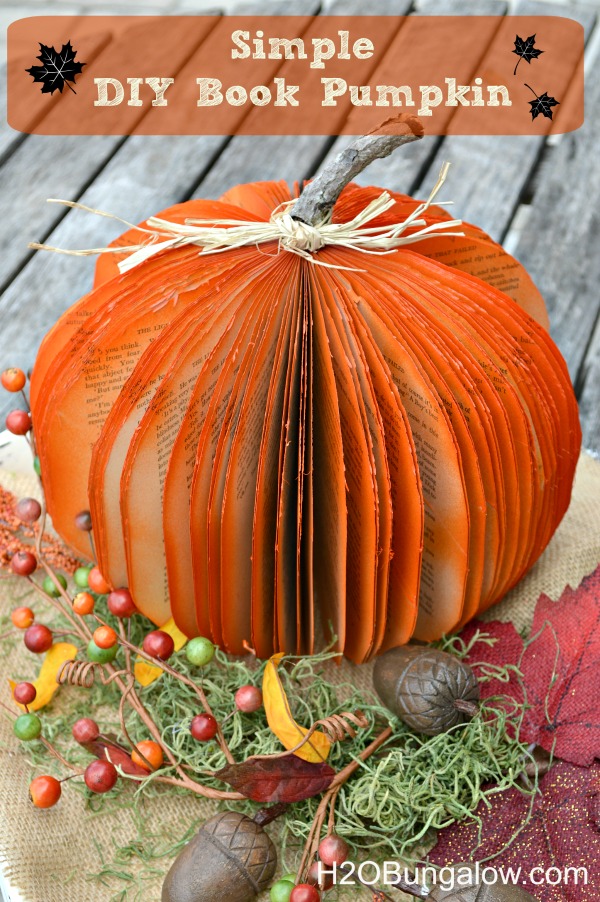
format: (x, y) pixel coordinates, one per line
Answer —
(61, 166)
(404, 171)
(489, 172)
(143, 176)
(146, 175)
(9, 138)
(559, 247)
(289, 157)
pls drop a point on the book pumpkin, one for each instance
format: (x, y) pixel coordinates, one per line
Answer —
(384, 443)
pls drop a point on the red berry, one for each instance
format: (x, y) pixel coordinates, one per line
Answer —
(28, 510)
(38, 638)
(85, 730)
(333, 850)
(304, 892)
(120, 603)
(320, 868)
(83, 603)
(159, 644)
(97, 583)
(204, 727)
(105, 637)
(83, 521)
(100, 776)
(22, 618)
(44, 791)
(13, 379)
(151, 752)
(23, 563)
(24, 693)
(18, 422)
(248, 699)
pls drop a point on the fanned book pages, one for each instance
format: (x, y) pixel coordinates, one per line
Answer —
(272, 444)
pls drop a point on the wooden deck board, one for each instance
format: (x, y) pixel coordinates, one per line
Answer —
(490, 172)
(559, 246)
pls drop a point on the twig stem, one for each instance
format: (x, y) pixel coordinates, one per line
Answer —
(318, 199)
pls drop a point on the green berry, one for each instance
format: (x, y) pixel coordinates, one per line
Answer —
(101, 655)
(81, 577)
(291, 878)
(200, 651)
(27, 727)
(281, 891)
(49, 587)
(37, 466)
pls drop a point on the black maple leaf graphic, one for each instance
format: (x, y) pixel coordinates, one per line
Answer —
(526, 50)
(542, 104)
(57, 69)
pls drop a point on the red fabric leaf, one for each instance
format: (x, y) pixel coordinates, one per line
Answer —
(288, 779)
(507, 649)
(117, 755)
(561, 833)
(561, 671)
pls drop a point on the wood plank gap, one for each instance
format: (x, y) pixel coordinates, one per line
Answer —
(212, 160)
(61, 213)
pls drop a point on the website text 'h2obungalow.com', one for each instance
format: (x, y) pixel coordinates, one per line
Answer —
(390, 874)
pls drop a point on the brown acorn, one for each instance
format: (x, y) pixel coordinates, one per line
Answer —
(430, 690)
(478, 891)
(231, 859)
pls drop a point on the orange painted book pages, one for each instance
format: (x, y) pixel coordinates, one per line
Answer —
(445, 562)
(91, 377)
(451, 388)
(140, 489)
(287, 600)
(216, 423)
(362, 499)
(268, 480)
(330, 490)
(405, 493)
(148, 387)
(235, 512)
(374, 430)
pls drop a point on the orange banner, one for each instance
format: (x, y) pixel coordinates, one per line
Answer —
(285, 75)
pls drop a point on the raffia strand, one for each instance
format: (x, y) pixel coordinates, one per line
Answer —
(291, 235)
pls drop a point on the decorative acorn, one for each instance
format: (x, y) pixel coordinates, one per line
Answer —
(231, 859)
(430, 690)
(479, 892)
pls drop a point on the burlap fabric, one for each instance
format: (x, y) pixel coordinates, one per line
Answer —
(49, 855)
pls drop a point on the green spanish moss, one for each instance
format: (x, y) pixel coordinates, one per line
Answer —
(413, 786)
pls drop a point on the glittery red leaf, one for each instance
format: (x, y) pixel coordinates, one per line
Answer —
(561, 671)
(562, 833)
(288, 779)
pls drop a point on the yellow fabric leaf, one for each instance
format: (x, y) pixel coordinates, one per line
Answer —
(281, 722)
(146, 673)
(46, 684)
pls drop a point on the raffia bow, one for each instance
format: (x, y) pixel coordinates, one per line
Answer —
(292, 235)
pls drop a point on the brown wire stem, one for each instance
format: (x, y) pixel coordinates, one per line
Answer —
(336, 727)
(157, 662)
(330, 797)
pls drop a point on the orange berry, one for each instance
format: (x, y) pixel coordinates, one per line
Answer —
(97, 583)
(44, 791)
(151, 751)
(105, 637)
(13, 379)
(22, 618)
(83, 603)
